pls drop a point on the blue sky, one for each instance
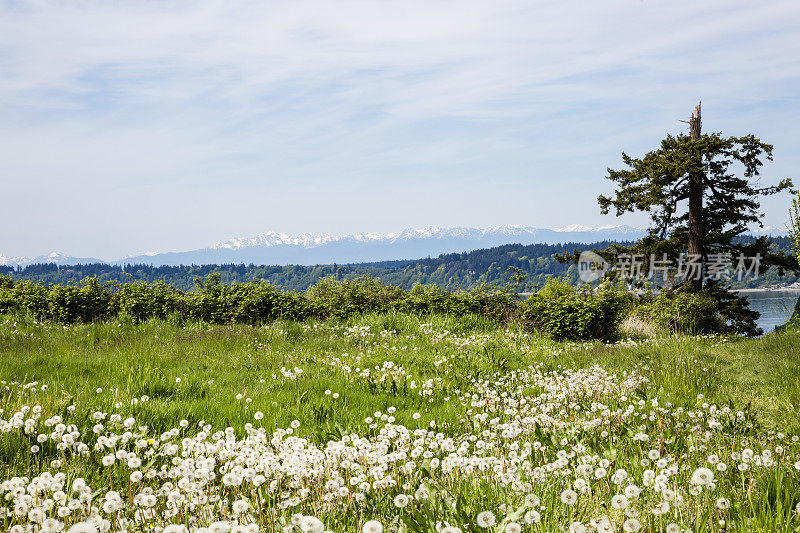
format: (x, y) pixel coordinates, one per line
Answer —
(145, 126)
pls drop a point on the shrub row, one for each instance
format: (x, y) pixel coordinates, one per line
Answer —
(252, 302)
(564, 311)
(559, 309)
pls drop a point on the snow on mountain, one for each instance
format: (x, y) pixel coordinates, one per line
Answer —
(12, 261)
(574, 227)
(306, 248)
(275, 248)
(271, 238)
(770, 230)
(54, 257)
(580, 228)
(309, 240)
(58, 258)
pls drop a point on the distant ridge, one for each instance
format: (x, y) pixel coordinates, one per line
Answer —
(57, 258)
(309, 240)
(274, 248)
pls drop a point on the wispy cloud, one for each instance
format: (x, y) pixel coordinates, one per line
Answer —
(198, 120)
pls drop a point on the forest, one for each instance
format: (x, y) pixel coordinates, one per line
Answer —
(467, 270)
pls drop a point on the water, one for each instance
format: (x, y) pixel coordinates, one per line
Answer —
(775, 306)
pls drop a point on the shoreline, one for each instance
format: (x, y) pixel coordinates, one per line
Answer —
(782, 289)
(764, 289)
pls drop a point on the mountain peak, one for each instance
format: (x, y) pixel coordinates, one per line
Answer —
(277, 248)
(271, 247)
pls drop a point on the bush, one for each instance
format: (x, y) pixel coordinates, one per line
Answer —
(7, 301)
(29, 297)
(484, 301)
(251, 303)
(340, 299)
(85, 302)
(793, 324)
(681, 312)
(141, 301)
(563, 311)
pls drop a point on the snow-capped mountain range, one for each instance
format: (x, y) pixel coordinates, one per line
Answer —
(311, 240)
(58, 258)
(272, 248)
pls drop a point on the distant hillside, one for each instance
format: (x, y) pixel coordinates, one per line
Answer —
(448, 271)
(272, 248)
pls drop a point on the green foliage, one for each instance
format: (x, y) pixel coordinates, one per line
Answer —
(680, 312)
(141, 301)
(215, 363)
(469, 270)
(659, 184)
(361, 295)
(563, 311)
(6, 298)
(793, 323)
(253, 302)
(26, 296)
(794, 225)
(84, 303)
(87, 301)
(559, 309)
(794, 235)
(485, 301)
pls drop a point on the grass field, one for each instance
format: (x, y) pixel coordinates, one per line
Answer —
(393, 423)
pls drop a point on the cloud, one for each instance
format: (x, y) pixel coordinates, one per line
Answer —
(252, 97)
(411, 59)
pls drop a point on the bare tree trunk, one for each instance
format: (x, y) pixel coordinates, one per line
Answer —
(696, 205)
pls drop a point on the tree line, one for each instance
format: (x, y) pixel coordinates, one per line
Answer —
(465, 271)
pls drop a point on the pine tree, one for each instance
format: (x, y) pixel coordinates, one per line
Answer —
(720, 176)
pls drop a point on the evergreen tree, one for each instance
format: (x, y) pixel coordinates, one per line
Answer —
(665, 181)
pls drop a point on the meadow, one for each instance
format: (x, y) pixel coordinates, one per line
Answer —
(392, 422)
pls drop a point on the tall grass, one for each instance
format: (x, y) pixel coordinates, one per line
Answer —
(313, 372)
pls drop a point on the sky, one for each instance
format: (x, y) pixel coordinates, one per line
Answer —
(128, 127)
